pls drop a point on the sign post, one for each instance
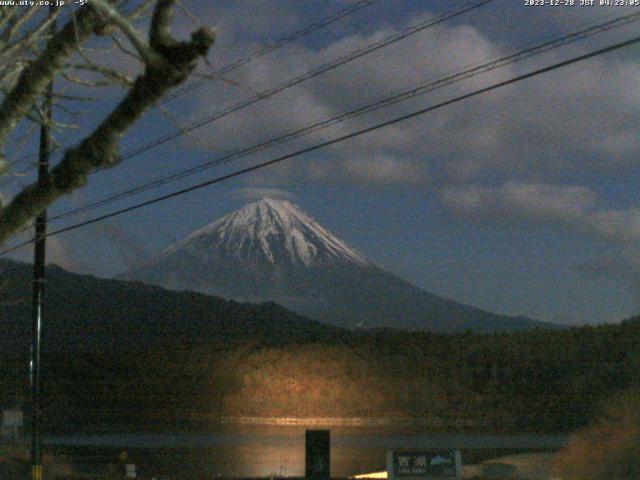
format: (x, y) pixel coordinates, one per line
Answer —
(424, 465)
(317, 455)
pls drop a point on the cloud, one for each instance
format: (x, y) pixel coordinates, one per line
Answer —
(625, 265)
(250, 194)
(561, 124)
(255, 19)
(65, 255)
(69, 250)
(619, 225)
(569, 206)
(381, 169)
(622, 266)
(519, 201)
(59, 251)
(126, 246)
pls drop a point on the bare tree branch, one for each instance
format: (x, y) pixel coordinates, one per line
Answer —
(124, 49)
(14, 22)
(111, 14)
(170, 65)
(108, 73)
(35, 77)
(140, 10)
(159, 33)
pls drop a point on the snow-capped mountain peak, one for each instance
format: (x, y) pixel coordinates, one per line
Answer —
(271, 250)
(270, 231)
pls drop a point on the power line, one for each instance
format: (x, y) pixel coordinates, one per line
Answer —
(306, 76)
(271, 47)
(336, 140)
(219, 73)
(354, 55)
(421, 89)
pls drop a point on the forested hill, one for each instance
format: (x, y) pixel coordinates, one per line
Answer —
(84, 312)
(541, 381)
(180, 360)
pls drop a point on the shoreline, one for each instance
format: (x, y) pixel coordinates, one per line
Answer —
(352, 421)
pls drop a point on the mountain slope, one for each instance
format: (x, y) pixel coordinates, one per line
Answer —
(84, 312)
(272, 250)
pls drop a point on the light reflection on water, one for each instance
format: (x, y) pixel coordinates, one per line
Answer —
(245, 451)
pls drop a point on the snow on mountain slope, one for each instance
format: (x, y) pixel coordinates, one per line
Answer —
(273, 232)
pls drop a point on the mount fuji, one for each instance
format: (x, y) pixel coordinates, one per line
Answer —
(271, 250)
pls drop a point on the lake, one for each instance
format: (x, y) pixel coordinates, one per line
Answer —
(258, 451)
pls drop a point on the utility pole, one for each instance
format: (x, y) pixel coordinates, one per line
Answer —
(38, 286)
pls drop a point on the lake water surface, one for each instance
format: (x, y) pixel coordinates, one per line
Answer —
(252, 451)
